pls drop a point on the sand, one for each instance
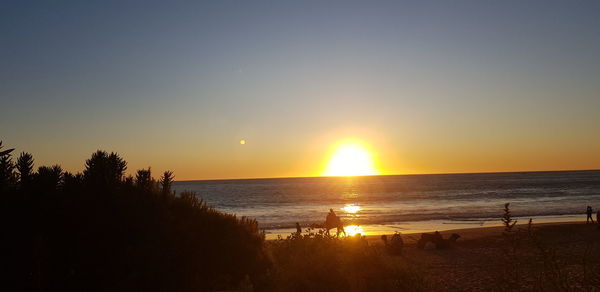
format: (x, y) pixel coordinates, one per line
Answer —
(481, 256)
(547, 257)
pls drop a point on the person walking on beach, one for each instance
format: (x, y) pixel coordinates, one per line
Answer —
(589, 215)
(331, 217)
(298, 229)
(333, 221)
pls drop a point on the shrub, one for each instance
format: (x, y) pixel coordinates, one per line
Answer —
(319, 262)
(97, 232)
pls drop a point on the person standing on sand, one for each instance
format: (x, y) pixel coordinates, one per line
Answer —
(298, 229)
(589, 215)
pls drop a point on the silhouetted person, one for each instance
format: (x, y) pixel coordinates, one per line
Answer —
(298, 229)
(589, 215)
(395, 245)
(333, 221)
(330, 216)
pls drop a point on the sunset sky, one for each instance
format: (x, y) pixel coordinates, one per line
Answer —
(423, 86)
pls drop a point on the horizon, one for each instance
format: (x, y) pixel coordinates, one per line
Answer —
(404, 174)
(229, 90)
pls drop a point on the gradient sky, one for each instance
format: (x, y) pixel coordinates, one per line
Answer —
(430, 86)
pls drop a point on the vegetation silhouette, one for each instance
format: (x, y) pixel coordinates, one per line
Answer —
(7, 176)
(104, 170)
(318, 261)
(25, 169)
(101, 231)
(166, 181)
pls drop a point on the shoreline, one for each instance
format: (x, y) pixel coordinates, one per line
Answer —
(443, 226)
(486, 231)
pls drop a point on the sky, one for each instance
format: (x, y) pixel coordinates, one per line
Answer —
(427, 86)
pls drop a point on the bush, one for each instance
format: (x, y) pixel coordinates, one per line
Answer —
(319, 262)
(96, 232)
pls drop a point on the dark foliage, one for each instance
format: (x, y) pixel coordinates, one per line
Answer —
(143, 179)
(166, 180)
(5, 152)
(507, 220)
(48, 180)
(104, 170)
(321, 262)
(25, 169)
(99, 232)
(7, 175)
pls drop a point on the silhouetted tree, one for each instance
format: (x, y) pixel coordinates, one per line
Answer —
(72, 182)
(104, 170)
(7, 175)
(143, 179)
(25, 169)
(48, 179)
(166, 180)
(129, 181)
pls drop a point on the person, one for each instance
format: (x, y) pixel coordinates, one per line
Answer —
(298, 229)
(396, 244)
(333, 221)
(589, 215)
(330, 216)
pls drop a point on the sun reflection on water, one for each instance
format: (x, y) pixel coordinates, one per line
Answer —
(351, 208)
(352, 230)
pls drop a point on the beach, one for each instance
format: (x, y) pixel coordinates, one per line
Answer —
(481, 256)
(555, 256)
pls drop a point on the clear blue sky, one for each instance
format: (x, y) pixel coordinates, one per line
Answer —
(431, 86)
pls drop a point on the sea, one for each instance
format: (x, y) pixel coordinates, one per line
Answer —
(403, 203)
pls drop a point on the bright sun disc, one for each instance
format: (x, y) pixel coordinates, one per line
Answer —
(350, 159)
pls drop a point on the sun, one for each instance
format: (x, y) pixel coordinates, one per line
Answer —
(350, 159)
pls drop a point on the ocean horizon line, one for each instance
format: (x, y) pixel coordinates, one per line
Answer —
(388, 175)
